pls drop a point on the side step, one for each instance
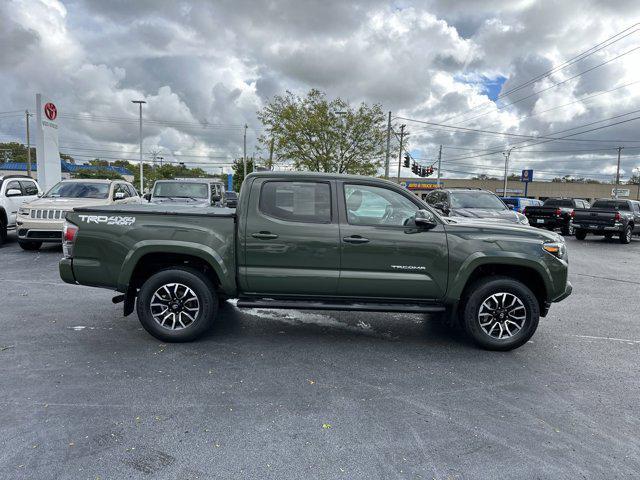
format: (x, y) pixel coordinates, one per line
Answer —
(358, 306)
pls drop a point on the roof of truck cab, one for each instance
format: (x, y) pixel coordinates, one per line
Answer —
(307, 175)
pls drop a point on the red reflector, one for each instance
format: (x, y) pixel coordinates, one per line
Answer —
(70, 231)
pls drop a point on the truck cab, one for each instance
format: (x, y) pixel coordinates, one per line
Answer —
(15, 191)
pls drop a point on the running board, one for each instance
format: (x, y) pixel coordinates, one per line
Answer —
(338, 305)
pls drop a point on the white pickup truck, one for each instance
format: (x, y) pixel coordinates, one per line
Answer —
(15, 190)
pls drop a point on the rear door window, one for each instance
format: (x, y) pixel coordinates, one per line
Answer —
(308, 202)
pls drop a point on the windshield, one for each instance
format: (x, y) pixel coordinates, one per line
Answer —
(611, 204)
(556, 202)
(79, 190)
(181, 190)
(476, 200)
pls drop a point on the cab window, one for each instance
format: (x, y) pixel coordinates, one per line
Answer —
(29, 188)
(369, 205)
(308, 202)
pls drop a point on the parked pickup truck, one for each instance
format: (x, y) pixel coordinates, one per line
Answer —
(317, 241)
(555, 213)
(609, 217)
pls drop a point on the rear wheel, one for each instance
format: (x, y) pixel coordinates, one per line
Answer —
(625, 235)
(568, 229)
(177, 305)
(581, 234)
(500, 313)
(29, 245)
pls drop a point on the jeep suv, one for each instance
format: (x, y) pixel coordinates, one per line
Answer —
(41, 220)
(15, 191)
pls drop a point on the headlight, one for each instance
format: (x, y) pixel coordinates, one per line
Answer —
(557, 249)
(523, 219)
(24, 211)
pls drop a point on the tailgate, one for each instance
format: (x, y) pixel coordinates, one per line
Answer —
(541, 213)
(595, 218)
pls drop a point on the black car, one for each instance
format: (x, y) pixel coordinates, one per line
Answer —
(608, 217)
(231, 199)
(556, 213)
(473, 203)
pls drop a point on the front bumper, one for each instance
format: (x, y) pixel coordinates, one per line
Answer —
(567, 291)
(39, 230)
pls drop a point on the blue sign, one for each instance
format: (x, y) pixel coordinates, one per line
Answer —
(230, 182)
(527, 176)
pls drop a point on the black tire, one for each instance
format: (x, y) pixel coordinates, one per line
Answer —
(625, 235)
(580, 234)
(207, 303)
(3, 231)
(567, 230)
(480, 292)
(29, 245)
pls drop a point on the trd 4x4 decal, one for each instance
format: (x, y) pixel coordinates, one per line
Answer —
(109, 220)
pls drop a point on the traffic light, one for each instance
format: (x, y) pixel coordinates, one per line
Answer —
(423, 171)
(415, 168)
(407, 161)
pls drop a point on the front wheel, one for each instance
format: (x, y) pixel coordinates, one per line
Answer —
(3, 231)
(500, 313)
(581, 234)
(29, 245)
(625, 235)
(177, 305)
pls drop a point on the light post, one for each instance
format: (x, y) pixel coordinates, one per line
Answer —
(140, 102)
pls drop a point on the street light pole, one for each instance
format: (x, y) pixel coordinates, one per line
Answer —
(244, 151)
(386, 162)
(400, 153)
(618, 173)
(140, 102)
(439, 164)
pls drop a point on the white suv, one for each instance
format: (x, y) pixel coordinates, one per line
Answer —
(15, 190)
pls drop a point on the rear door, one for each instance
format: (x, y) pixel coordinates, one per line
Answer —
(381, 256)
(291, 238)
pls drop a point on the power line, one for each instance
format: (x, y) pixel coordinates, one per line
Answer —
(548, 73)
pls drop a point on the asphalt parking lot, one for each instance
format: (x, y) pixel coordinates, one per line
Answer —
(86, 393)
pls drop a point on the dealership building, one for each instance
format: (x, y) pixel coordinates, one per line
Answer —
(515, 188)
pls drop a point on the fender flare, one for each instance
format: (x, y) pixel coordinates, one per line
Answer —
(479, 259)
(203, 252)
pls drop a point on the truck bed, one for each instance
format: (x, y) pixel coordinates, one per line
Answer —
(113, 240)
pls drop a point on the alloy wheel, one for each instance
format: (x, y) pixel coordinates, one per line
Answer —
(502, 315)
(174, 306)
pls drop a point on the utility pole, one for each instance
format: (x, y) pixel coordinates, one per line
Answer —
(27, 115)
(244, 154)
(506, 154)
(400, 153)
(386, 162)
(618, 173)
(439, 164)
(140, 102)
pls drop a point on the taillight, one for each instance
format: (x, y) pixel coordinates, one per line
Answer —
(69, 232)
(617, 218)
(524, 210)
(558, 212)
(573, 213)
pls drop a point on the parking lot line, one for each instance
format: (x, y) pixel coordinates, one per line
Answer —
(613, 339)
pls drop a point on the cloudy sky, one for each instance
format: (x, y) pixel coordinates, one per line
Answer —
(205, 67)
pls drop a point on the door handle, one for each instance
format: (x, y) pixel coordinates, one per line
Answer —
(355, 239)
(264, 235)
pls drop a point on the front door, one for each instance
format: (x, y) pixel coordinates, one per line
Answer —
(291, 238)
(13, 203)
(383, 254)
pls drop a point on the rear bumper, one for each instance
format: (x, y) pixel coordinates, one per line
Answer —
(66, 270)
(598, 228)
(547, 222)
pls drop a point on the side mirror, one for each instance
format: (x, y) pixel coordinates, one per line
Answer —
(425, 219)
(118, 196)
(443, 207)
(13, 192)
(215, 198)
(147, 197)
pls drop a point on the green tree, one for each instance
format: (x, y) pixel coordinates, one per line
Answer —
(322, 135)
(238, 172)
(105, 173)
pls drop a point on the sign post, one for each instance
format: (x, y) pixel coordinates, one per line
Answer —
(527, 176)
(47, 149)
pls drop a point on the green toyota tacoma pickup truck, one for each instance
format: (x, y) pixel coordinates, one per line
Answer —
(317, 241)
